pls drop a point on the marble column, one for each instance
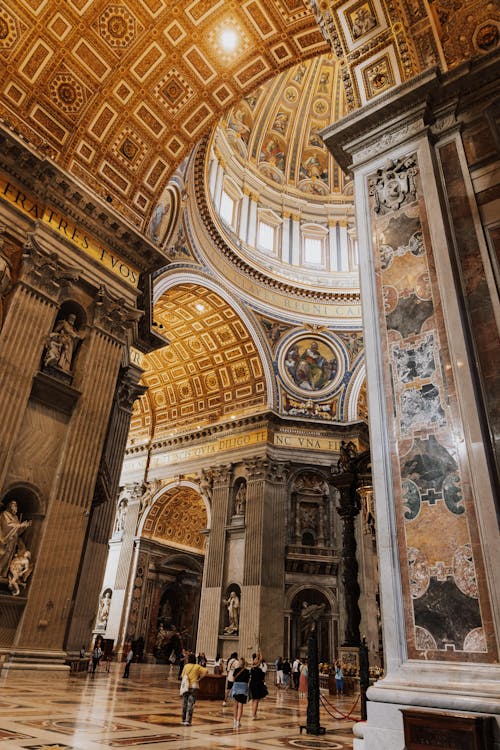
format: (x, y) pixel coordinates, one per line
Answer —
(43, 630)
(217, 488)
(429, 308)
(261, 616)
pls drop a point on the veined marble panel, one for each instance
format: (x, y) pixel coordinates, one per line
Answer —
(446, 610)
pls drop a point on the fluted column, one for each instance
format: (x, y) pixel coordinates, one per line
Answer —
(28, 320)
(211, 593)
(67, 522)
(295, 250)
(332, 245)
(285, 238)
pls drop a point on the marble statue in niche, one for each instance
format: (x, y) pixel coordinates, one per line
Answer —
(240, 500)
(121, 514)
(62, 343)
(104, 609)
(11, 546)
(233, 610)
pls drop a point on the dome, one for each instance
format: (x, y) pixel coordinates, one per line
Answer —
(275, 131)
(276, 194)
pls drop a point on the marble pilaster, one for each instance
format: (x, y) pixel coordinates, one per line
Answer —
(217, 489)
(28, 321)
(263, 572)
(72, 493)
(434, 476)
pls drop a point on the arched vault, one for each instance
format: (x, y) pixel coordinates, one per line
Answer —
(213, 369)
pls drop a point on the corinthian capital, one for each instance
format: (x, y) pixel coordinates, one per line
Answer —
(277, 471)
(112, 315)
(257, 467)
(221, 474)
(43, 272)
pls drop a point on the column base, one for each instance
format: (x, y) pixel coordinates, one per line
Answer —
(475, 693)
(31, 659)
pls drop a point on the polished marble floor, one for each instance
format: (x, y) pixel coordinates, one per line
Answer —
(81, 712)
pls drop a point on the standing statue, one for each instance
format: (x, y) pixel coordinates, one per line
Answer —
(233, 609)
(104, 607)
(240, 500)
(309, 616)
(121, 514)
(62, 343)
(11, 528)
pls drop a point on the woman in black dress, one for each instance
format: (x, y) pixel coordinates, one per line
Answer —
(258, 689)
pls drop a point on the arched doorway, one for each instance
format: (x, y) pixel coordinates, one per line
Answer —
(299, 628)
(178, 596)
(170, 554)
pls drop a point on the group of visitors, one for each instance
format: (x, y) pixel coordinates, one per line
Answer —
(297, 672)
(244, 682)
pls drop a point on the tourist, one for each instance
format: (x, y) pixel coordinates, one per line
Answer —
(286, 669)
(258, 688)
(96, 654)
(296, 672)
(279, 671)
(128, 662)
(339, 677)
(194, 673)
(219, 665)
(232, 663)
(303, 679)
(239, 691)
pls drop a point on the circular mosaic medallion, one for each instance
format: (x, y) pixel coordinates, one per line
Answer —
(310, 365)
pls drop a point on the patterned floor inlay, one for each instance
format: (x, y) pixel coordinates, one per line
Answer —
(36, 708)
(73, 726)
(6, 735)
(140, 740)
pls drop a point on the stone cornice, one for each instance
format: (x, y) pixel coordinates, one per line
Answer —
(44, 179)
(411, 106)
(269, 420)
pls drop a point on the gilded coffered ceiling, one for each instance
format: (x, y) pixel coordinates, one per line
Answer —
(177, 518)
(210, 370)
(117, 93)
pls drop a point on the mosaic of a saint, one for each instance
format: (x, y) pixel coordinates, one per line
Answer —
(311, 364)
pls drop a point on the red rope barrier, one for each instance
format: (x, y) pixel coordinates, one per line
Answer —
(342, 715)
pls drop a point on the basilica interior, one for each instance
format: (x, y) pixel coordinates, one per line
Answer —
(249, 341)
